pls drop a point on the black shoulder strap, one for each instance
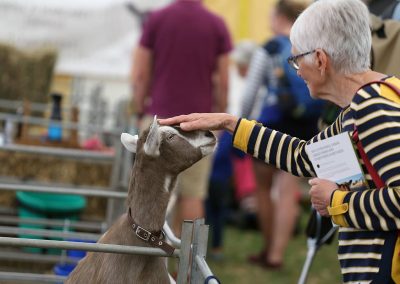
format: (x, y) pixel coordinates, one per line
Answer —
(389, 10)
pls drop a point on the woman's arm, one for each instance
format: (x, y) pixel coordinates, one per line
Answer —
(275, 148)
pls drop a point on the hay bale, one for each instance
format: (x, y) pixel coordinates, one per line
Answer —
(55, 170)
(26, 75)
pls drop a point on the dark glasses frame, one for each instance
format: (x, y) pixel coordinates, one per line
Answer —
(292, 60)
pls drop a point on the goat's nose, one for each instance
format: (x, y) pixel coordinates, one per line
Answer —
(209, 134)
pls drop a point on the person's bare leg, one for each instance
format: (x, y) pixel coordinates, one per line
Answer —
(286, 213)
(265, 213)
(188, 208)
(192, 187)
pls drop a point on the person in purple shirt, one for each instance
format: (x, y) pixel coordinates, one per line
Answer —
(181, 66)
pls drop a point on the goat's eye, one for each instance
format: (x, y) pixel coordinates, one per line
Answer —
(170, 136)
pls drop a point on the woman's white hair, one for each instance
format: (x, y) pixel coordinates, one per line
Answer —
(340, 28)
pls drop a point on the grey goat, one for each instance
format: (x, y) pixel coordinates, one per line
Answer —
(162, 152)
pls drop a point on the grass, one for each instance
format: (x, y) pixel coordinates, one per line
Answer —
(238, 244)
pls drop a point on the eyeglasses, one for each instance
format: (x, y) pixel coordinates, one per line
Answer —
(292, 60)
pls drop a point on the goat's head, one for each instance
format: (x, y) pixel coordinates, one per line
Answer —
(177, 150)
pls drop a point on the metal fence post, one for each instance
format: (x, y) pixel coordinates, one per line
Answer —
(184, 255)
(113, 209)
(200, 238)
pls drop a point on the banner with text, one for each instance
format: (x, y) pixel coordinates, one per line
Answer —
(92, 38)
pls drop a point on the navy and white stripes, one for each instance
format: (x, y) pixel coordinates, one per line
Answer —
(369, 232)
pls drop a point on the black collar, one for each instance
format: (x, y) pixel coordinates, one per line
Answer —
(155, 239)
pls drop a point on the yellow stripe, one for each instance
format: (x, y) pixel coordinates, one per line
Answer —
(382, 220)
(338, 125)
(289, 155)
(337, 200)
(387, 210)
(389, 167)
(319, 136)
(338, 210)
(348, 122)
(279, 153)
(388, 93)
(296, 157)
(360, 270)
(384, 155)
(351, 212)
(361, 242)
(331, 132)
(364, 94)
(269, 145)
(393, 198)
(393, 179)
(306, 164)
(348, 109)
(379, 127)
(376, 88)
(326, 132)
(359, 256)
(350, 230)
(396, 262)
(376, 100)
(242, 135)
(394, 80)
(367, 219)
(258, 142)
(381, 141)
(376, 114)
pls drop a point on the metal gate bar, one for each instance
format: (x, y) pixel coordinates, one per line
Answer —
(4, 230)
(37, 278)
(44, 258)
(192, 251)
(109, 248)
(66, 153)
(62, 190)
(89, 226)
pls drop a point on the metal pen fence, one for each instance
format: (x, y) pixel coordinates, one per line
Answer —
(191, 254)
(191, 248)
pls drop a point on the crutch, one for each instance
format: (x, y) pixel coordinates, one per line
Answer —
(320, 230)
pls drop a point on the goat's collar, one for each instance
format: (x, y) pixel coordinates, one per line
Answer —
(155, 239)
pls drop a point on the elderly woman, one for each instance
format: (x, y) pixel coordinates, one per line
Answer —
(331, 45)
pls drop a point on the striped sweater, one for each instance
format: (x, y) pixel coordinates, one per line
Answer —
(369, 220)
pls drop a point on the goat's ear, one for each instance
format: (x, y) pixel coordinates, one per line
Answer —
(153, 141)
(129, 141)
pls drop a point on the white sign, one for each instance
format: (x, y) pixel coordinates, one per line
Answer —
(334, 159)
(93, 38)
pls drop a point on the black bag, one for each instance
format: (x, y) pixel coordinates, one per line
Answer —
(320, 228)
(383, 8)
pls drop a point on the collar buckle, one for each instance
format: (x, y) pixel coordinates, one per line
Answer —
(142, 233)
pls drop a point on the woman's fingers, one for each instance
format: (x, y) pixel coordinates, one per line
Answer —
(313, 181)
(173, 120)
(202, 121)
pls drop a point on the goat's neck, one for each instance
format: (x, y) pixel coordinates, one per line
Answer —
(149, 193)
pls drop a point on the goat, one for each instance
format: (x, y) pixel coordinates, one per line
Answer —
(162, 152)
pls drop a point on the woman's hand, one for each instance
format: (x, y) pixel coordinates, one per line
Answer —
(203, 121)
(320, 192)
